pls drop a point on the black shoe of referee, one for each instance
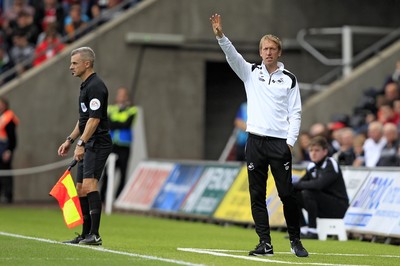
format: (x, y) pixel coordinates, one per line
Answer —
(91, 239)
(262, 249)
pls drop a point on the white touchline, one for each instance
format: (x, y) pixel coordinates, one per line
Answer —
(103, 250)
(311, 253)
(264, 259)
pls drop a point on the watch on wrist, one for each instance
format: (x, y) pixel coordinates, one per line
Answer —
(81, 143)
(71, 140)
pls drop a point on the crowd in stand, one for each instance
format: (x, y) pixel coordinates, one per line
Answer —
(32, 31)
(370, 136)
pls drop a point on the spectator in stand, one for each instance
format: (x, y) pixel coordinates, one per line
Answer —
(241, 135)
(22, 52)
(85, 5)
(50, 12)
(303, 156)
(391, 92)
(358, 144)
(76, 25)
(109, 9)
(48, 48)
(320, 129)
(51, 27)
(396, 73)
(17, 7)
(345, 155)
(396, 107)
(5, 64)
(95, 11)
(24, 24)
(390, 152)
(333, 132)
(386, 114)
(373, 144)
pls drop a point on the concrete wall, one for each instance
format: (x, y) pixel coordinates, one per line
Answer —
(167, 82)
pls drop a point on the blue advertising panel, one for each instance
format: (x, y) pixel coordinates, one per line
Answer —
(177, 186)
(211, 188)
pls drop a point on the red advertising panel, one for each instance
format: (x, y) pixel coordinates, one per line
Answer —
(144, 185)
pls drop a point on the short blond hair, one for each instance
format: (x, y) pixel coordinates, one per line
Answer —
(272, 38)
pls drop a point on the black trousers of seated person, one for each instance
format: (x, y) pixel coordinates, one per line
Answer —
(321, 205)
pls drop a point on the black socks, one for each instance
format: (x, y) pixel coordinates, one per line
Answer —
(87, 222)
(95, 211)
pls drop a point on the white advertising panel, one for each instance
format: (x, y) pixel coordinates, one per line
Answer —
(375, 209)
(354, 180)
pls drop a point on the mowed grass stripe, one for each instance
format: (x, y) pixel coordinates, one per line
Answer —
(100, 249)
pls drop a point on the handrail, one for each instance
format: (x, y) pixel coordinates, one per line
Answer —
(347, 61)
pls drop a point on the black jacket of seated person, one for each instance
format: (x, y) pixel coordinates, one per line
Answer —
(322, 191)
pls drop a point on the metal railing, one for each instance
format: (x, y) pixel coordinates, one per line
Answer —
(348, 61)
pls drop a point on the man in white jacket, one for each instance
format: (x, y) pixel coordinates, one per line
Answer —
(273, 123)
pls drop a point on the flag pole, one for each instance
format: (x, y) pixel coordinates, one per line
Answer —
(72, 164)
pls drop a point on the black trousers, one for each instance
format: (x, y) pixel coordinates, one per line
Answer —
(6, 182)
(320, 204)
(262, 152)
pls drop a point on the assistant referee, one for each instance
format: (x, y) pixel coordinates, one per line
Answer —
(273, 123)
(94, 143)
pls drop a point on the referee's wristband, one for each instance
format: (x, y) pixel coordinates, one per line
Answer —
(71, 140)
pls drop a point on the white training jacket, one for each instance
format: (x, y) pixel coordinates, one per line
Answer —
(273, 100)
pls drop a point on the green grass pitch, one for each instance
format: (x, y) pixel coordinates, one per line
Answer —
(32, 236)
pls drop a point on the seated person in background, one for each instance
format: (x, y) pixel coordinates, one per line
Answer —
(345, 155)
(358, 149)
(322, 191)
(76, 25)
(320, 129)
(6, 64)
(374, 143)
(22, 52)
(302, 155)
(387, 114)
(390, 152)
(49, 47)
(391, 92)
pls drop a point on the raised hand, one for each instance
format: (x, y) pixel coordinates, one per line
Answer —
(216, 25)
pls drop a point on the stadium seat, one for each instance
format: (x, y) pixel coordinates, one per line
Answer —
(327, 227)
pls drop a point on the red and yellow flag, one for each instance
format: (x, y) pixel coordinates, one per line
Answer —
(65, 193)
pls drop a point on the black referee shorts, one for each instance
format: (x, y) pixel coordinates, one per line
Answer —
(94, 159)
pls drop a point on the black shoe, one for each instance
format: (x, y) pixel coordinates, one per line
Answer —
(297, 248)
(309, 235)
(76, 240)
(262, 249)
(91, 239)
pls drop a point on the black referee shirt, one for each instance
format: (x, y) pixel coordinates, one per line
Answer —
(93, 100)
